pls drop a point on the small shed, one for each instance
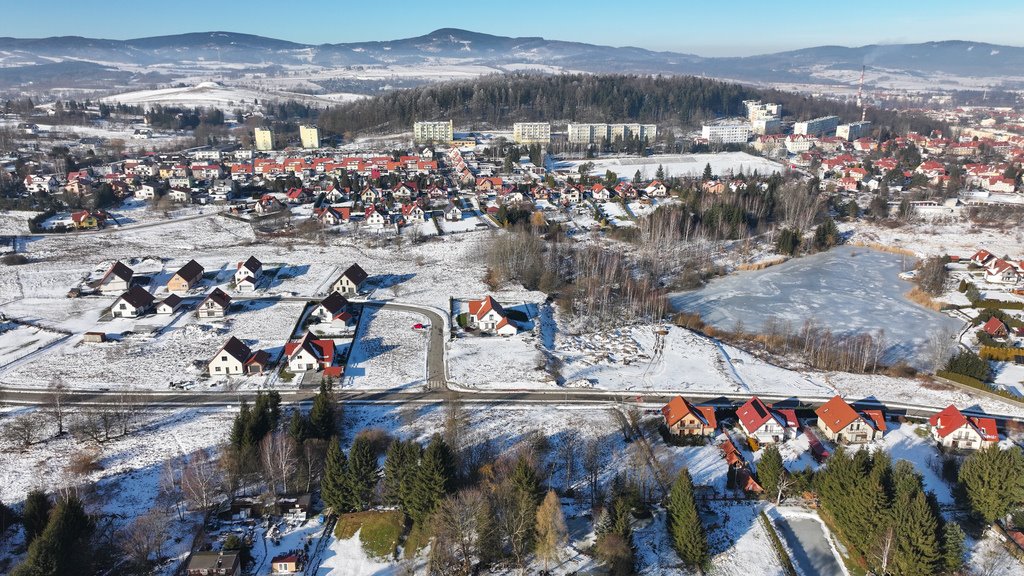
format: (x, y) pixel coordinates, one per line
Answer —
(94, 337)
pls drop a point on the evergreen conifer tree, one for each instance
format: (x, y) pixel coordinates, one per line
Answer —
(770, 471)
(321, 415)
(684, 525)
(994, 480)
(64, 546)
(362, 473)
(334, 486)
(35, 514)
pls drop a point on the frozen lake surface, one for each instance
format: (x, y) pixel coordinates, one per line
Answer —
(847, 289)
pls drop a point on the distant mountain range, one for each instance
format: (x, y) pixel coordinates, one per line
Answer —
(76, 62)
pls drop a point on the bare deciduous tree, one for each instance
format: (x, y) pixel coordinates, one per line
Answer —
(200, 480)
(593, 460)
(567, 448)
(22, 430)
(56, 406)
(279, 460)
(144, 539)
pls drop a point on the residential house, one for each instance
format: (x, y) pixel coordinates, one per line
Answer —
(187, 277)
(351, 281)
(234, 357)
(117, 279)
(413, 214)
(656, 189)
(180, 195)
(84, 220)
(375, 219)
(766, 424)
(487, 315)
(332, 215)
(453, 213)
(491, 184)
(713, 186)
(36, 184)
(995, 328)
(952, 429)
(146, 192)
(169, 305)
(310, 353)
(135, 302)
(333, 310)
(285, 564)
(247, 274)
(268, 204)
(841, 423)
(999, 271)
(214, 564)
(685, 419)
(215, 305)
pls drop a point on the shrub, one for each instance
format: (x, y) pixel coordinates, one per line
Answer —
(14, 259)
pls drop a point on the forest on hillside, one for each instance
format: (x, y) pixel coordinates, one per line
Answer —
(500, 100)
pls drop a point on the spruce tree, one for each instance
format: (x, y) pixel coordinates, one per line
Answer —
(994, 480)
(684, 525)
(334, 486)
(400, 461)
(952, 548)
(35, 515)
(362, 473)
(917, 548)
(321, 415)
(707, 172)
(64, 546)
(239, 425)
(430, 481)
(770, 471)
(525, 479)
(298, 427)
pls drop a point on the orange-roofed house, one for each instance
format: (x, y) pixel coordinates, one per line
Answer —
(487, 315)
(685, 419)
(310, 354)
(840, 422)
(952, 429)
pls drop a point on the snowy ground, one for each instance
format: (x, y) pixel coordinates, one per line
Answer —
(723, 164)
(227, 98)
(387, 352)
(959, 237)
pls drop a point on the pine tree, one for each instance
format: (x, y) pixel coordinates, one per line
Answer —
(35, 515)
(684, 525)
(239, 425)
(917, 548)
(321, 415)
(952, 548)
(362, 473)
(64, 546)
(770, 471)
(637, 178)
(400, 462)
(298, 427)
(525, 479)
(707, 172)
(660, 173)
(994, 480)
(431, 480)
(334, 487)
(551, 532)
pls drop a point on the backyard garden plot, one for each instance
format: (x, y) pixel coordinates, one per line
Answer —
(706, 463)
(469, 223)
(1009, 377)
(616, 214)
(387, 353)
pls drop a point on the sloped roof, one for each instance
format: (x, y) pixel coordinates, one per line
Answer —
(334, 303)
(678, 407)
(173, 300)
(137, 297)
(252, 264)
(478, 308)
(836, 414)
(219, 297)
(994, 327)
(753, 414)
(237, 349)
(948, 420)
(118, 270)
(190, 270)
(355, 274)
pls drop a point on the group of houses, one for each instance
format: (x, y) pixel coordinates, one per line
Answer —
(837, 420)
(998, 270)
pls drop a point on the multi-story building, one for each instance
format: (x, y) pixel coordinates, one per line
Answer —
(758, 111)
(310, 136)
(264, 139)
(531, 132)
(594, 133)
(426, 132)
(766, 126)
(726, 132)
(854, 130)
(817, 127)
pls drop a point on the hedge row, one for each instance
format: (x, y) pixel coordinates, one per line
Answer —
(975, 383)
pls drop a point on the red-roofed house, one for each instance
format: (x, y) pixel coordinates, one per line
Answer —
(285, 564)
(952, 429)
(310, 353)
(840, 422)
(488, 316)
(1000, 271)
(767, 425)
(995, 328)
(685, 419)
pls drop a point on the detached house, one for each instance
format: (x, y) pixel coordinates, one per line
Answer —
(841, 423)
(133, 303)
(234, 357)
(187, 277)
(247, 274)
(333, 309)
(214, 564)
(452, 213)
(995, 328)
(215, 305)
(765, 424)
(685, 419)
(488, 316)
(952, 429)
(310, 353)
(169, 305)
(1000, 271)
(117, 279)
(351, 281)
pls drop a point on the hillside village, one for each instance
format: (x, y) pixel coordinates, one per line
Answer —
(341, 348)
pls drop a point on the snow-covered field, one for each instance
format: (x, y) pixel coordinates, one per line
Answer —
(387, 352)
(226, 98)
(723, 164)
(493, 362)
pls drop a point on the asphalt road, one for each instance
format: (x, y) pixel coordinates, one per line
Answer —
(811, 551)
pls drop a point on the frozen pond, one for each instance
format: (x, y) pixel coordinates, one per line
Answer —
(847, 289)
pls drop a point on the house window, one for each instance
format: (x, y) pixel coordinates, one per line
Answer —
(217, 369)
(223, 358)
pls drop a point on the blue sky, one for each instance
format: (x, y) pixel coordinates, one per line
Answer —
(719, 28)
